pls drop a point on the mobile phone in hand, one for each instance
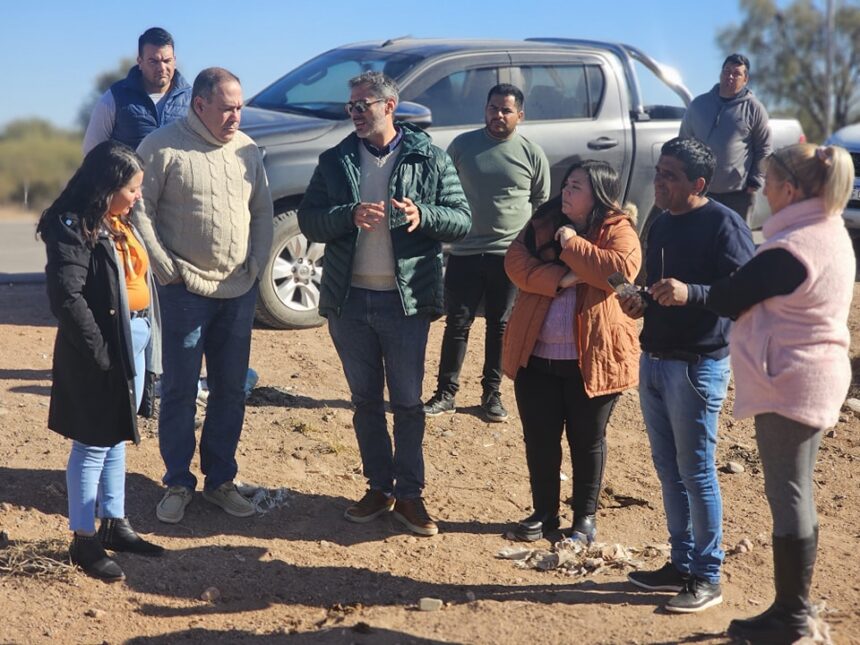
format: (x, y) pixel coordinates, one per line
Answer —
(621, 285)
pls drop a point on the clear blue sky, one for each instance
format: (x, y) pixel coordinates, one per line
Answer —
(55, 48)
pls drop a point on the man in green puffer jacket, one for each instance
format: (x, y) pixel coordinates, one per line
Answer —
(383, 201)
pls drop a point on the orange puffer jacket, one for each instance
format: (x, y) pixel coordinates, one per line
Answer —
(607, 339)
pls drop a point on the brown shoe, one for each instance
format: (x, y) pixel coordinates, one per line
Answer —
(372, 505)
(412, 514)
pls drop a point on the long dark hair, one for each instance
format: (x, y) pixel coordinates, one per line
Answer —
(106, 168)
(606, 191)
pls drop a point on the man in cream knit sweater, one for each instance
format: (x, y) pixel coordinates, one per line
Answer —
(206, 219)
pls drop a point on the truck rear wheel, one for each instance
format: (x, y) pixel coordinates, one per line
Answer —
(290, 281)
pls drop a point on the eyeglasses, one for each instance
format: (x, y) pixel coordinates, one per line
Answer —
(361, 105)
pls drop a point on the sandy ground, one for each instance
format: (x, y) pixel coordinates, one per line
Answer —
(299, 573)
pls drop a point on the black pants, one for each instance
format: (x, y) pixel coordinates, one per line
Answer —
(740, 201)
(551, 398)
(468, 279)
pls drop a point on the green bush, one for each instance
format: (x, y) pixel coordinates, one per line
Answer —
(36, 161)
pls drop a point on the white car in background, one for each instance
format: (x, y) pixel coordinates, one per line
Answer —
(849, 138)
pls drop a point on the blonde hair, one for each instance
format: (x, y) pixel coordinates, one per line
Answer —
(818, 171)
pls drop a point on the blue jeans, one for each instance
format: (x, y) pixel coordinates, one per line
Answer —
(681, 404)
(195, 326)
(95, 476)
(378, 343)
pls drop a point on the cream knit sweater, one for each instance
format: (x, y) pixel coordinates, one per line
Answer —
(206, 212)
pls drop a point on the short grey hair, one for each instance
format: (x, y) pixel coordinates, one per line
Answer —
(209, 79)
(380, 85)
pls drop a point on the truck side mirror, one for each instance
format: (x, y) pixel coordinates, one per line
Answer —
(414, 113)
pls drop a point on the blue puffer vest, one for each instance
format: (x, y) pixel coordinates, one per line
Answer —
(137, 116)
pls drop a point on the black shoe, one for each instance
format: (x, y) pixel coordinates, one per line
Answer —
(698, 595)
(88, 553)
(535, 526)
(785, 621)
(584, 529)
(666, 578)
(441, 403)
(491, 406)
(116, 534)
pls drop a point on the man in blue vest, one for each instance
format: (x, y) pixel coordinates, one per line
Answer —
(152, 95)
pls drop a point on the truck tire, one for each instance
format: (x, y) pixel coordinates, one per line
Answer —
(290, 281)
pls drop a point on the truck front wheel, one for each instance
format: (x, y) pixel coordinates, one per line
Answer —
(290, 282)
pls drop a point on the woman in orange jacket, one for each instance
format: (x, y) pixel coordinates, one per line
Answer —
(568, 346)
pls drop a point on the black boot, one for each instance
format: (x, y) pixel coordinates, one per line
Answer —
(116, 534)
(536, 526)
(584, 528)
(87, 552)
(785, 621)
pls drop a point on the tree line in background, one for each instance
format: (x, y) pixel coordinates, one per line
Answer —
(37, 158)
(787, 48)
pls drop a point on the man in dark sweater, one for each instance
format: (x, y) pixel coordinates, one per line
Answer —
(684, 370)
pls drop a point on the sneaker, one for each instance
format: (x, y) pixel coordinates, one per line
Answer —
(666, 578)
(228, 497)
(372, 505)
(441, 403)
(412, 514)
(698, 594)
(171, 508)
(491, 406)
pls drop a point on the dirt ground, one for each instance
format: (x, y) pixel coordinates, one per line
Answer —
(300, 573)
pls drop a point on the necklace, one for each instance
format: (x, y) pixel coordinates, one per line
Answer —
(381, 161)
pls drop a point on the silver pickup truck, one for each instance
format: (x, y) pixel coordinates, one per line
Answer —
(849, 138)
(584, 99)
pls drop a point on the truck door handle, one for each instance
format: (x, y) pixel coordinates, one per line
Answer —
(602, 143)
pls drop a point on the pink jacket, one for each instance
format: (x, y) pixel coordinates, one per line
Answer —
(790, 353)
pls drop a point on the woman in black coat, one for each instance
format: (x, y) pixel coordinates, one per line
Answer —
(100, 290)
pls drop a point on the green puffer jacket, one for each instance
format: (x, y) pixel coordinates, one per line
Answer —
(423, 173)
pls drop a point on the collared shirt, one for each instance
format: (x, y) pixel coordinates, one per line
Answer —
(386, 149)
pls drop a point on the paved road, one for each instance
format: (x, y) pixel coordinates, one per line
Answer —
(22, 254)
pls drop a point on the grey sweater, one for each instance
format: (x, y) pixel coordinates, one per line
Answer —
(504, 181)
(737, 131)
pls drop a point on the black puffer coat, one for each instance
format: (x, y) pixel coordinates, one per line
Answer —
(92, 395)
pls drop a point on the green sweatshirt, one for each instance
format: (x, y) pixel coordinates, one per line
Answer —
(504, 181)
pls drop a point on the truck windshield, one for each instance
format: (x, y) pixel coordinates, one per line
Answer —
(320, 86)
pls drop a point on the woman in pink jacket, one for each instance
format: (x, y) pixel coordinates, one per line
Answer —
(789, 354)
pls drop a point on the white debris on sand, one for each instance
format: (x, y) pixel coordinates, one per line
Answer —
(264, 499)
(574, 557)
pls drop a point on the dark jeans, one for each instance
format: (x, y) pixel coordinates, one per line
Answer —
(220, 329)
(551, 398)
(740, 201)
(378, 343)
(468, 278)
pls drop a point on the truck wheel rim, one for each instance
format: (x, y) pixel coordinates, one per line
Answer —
(297, 272)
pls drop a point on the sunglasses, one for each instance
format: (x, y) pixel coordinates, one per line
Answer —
(792, 176)
(361, 106)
